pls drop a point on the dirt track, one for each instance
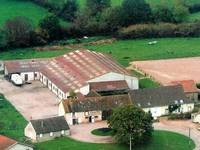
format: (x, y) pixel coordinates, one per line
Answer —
(165, 71)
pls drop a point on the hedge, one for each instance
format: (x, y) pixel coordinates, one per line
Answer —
(160, 30)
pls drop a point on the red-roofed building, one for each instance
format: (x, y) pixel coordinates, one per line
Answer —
(76, 70)
(10, 144)
(189, 88)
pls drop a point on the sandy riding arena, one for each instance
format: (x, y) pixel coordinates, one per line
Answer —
(165, 71)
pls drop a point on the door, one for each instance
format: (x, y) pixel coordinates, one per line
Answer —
(106, 114)
(26, 77)
(90, 119)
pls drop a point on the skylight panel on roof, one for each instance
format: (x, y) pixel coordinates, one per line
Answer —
(71, 53)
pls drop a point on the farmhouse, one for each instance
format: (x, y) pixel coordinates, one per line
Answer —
(91, 109)
(77, 70)
(189, 88)
(28, 69)
(158, 100)
(10, 144)
(47, 129)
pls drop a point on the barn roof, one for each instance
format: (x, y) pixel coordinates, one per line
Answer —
(72, 70)
(108, 85)
(189, 86)
(6, 142)
(160, 96)
(27, 65)
(48, 125)
(96, 103)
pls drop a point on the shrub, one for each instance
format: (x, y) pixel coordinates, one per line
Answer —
(194, 8)
(181, 116)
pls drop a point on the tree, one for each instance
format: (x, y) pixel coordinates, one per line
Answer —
(17, 31)
(180, 11)
(51, 25)
(3, 42)
(131, 121)
(69, 10)
(111, 19)
(136, 11)
(96, 6)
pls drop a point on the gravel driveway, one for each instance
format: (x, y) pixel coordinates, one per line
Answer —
(33, 101)
(82, 132)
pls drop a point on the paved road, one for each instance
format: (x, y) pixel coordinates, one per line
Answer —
(181, 127)
(33, 101)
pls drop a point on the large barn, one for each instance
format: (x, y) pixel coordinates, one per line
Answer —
(75, 71)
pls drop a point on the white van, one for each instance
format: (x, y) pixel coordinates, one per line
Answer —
(16, 79)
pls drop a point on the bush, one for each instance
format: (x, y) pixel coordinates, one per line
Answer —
(194, 8)
(181, 116)
(160, 30)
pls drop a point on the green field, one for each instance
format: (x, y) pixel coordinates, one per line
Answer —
(161, 140)
(12, 124)
(13, 8)
(125, 51)
(147, 83)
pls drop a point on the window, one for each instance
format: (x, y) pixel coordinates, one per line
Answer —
(51, 134)
(41, 135)
(62, 132)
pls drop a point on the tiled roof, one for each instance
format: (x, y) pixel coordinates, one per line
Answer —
(108, 85)
(96, 103)
(161, 96)
(28, 65)
(6, 142)
(48, 125)
(189, 86)
(72, 71)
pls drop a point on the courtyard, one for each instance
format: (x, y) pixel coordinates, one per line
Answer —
(33, 101)
(166, 71)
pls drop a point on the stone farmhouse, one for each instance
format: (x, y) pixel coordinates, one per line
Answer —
(72, 72)
(47, 129)
(96, 107)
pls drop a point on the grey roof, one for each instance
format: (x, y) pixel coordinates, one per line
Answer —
(48, 125)
(161, 96)
(96, 103)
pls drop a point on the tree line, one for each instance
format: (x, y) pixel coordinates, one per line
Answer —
(98, 17)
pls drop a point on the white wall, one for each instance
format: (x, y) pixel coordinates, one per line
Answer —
(1, 66)
(30, 132)
(20, 147)
(112, 76)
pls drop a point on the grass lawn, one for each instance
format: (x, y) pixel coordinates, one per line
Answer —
(12, 123)
(147, 83)
(103, 132)
(161, 140)
(29, 53)
(125, 51)
(13, 8)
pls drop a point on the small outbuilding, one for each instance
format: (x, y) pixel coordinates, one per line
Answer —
(10, 144)
(47, 129)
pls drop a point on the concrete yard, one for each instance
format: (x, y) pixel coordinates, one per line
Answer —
(33, 101)
(165, 71)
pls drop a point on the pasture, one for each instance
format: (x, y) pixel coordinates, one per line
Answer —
(13, 8)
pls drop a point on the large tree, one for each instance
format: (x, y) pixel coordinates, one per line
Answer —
(136, 11)
(96, 6)
(51, 25)
(131, 122)
(17, 31)
(69, 10)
